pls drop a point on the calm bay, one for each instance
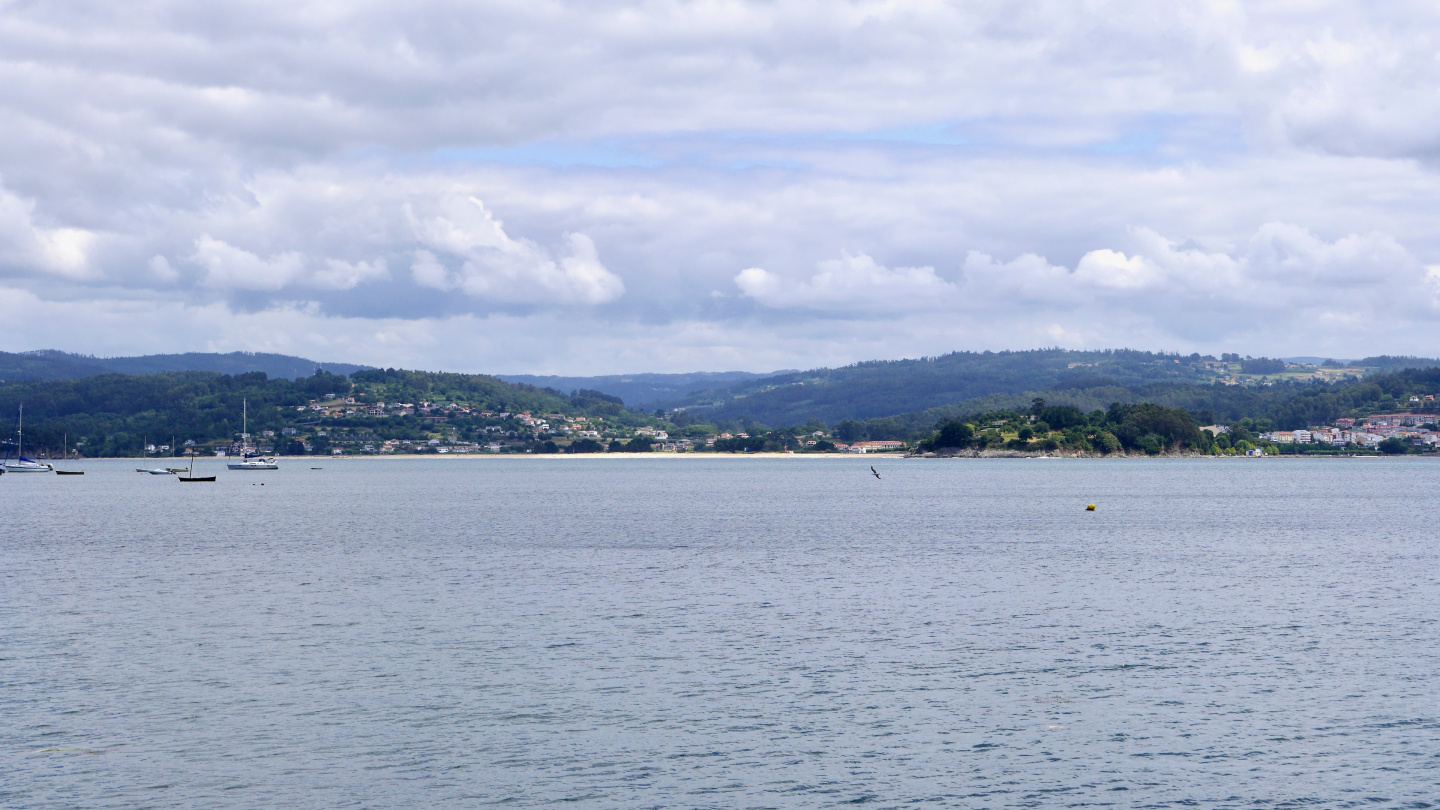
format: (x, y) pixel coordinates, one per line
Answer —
(731, 632)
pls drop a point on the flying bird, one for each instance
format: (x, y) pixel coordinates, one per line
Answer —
(872, 472)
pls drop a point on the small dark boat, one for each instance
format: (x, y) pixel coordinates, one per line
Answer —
(192, 477)
(65, 454)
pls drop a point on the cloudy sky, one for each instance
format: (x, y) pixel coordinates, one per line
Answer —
(601, 187)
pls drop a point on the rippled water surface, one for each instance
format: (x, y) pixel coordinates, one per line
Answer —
(726, 633)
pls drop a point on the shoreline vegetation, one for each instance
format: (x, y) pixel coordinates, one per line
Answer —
(400, 413)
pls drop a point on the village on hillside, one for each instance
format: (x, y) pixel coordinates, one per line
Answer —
(1417, 429)
(504, 432)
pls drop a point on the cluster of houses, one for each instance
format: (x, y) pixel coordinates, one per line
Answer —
(517, 427)
(349, 407)
(869, 447)
(1367, 432)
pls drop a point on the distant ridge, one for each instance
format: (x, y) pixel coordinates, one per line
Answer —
(49, 364)
(641, 389)
(980, 380)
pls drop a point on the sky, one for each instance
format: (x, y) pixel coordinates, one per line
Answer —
(608, 187)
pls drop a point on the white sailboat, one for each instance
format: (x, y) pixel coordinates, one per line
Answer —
(20, 464)
(249, 459)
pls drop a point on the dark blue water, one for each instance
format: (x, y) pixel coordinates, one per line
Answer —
(729, 633)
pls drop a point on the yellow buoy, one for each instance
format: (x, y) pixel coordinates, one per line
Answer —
(1090, 508)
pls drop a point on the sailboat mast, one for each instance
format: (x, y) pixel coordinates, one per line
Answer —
(20, 429)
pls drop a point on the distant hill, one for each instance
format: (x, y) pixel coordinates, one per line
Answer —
(113, 414)
(640, 390)
(1391, 363)
(48, 364)
(969, 381)
(889, 387)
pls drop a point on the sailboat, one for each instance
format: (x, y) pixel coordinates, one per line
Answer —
(173, 448)
(65, 453)
(20, 464)
(249, 459)
(191, 476)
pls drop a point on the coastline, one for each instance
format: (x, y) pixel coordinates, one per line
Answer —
(316, 460)
(964, 455)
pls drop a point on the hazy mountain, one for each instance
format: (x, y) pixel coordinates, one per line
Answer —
(640, 389)
(48, 364)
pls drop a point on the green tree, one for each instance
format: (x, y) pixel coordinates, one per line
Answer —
(1107, 442)
(1394, 446)
(1059, 417)
(952, 434)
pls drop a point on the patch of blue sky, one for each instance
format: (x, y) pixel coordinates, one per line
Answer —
(946, 133)
(1172, 138)
(1161, 139)
(608, 153)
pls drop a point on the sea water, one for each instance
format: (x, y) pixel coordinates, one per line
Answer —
(723, 633)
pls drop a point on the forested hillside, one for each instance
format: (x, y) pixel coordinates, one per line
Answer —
(114, 414)
(915, 392)
(53, 365)
(640, 390)
(1283, 406)
(885, 388)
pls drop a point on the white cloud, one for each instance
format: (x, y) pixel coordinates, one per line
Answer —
(343, 275)
(1111, 268)
(852, 282)
(160, 266)
(1287, 253)
(1282, 279)
(227, 266)
(28, 247)
(429, 272)
(496, 267)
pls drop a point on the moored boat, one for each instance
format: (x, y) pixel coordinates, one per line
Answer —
(65, 454)
(21, 464)
(192, 478)
(249, 459)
